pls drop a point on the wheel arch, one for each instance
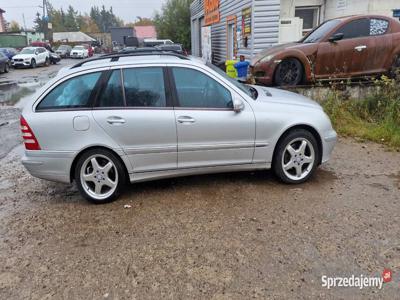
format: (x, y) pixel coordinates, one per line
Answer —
(307, 127)
(76, 158)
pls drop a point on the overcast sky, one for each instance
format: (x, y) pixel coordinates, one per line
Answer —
(128, 10)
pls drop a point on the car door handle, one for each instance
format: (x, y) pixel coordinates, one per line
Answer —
(115, 120)
(186, 119)
(360, 48)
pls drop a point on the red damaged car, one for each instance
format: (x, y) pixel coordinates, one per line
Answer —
(348, 47)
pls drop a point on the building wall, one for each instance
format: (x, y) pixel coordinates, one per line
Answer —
(265, 27)
(2, 22)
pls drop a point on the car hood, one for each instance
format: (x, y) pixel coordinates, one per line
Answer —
(307, 49)
(77, 51)
(272, 95)
(23, 56)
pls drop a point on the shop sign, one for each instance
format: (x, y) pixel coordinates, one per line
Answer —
(211, 12)
(341, 4)
(246, 21)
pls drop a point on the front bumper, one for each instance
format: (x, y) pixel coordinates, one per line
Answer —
(328, 144)
(49, 165)
(20, 63)
(77, 55)
(263, 73)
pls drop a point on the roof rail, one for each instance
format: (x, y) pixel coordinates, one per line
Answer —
(116, 56)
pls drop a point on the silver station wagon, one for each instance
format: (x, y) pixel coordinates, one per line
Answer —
(138, 117)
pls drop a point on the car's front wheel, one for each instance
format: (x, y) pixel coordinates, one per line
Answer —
(289, 72)
(7, 68)
(33, 63)
(100, 176)
(296, 157)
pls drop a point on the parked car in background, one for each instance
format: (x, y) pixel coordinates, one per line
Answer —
(172, 47)
(4, 63)
(106, 121)
(79, 52)
(9, 52)
(31, 57)
(64, 51)
(54, 58)
(348, 47)
(155, 42)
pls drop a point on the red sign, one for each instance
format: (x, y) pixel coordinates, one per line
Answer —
(211, 12)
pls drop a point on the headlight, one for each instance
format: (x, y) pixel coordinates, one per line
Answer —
(266, 59)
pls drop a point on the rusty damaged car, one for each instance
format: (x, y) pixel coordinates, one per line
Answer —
(347, 47)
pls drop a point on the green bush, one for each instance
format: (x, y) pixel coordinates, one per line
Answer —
(376, 118)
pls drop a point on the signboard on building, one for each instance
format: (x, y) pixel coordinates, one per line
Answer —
(246, 21)
(341, 4)
(206, 43)
(211, 12)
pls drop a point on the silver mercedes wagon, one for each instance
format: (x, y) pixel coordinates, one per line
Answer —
(137, 117)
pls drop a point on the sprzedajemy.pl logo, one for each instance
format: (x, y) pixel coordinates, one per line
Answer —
(360, 282)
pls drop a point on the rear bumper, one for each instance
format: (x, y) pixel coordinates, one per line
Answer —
(328, 144)
(49, 165)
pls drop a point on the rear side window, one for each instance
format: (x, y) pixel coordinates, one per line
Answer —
(378, 27)
(355, 29)
(144, 87)
(112, 95)
(72, 93)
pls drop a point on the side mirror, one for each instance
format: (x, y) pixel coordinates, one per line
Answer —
(336, 37)
(238, 105)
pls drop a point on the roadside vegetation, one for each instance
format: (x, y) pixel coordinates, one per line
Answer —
(375, 118)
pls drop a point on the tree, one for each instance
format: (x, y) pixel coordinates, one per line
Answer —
(173, 22)
(39, 24)
(14, 26)
(71, 19)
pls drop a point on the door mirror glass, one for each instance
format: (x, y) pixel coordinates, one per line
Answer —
(336, 37)
(238, 105)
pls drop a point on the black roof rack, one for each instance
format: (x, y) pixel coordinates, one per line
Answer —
(135, 52)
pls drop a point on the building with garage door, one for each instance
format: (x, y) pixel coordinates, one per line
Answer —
(225, 29)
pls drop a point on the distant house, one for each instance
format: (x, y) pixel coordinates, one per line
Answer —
(104, 38)
(146, 32)
(3, 26)
(72, 37)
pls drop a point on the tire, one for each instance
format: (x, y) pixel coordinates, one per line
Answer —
(105, 178)
(47, 62)
(7, 68)
(289, 73)
(297, 164)
(33, 63)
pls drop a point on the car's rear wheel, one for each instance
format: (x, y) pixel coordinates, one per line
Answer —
(100, 176)
(289, 72)
(296, 157)
(33, 63)
(395, 70)
(7, 68)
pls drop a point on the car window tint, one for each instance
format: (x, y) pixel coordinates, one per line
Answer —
(378, 27)
(197, 90)
(355, 29)
(144, 87)
(73, 93)
(112, 95)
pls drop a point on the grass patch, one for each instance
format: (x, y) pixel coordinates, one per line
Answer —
(376, 118)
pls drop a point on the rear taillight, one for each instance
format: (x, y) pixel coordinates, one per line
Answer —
(30, 140)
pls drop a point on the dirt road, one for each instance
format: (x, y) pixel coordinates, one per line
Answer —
(230, 236)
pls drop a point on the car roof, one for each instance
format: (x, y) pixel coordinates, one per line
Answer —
(361, 16)
(131, 61)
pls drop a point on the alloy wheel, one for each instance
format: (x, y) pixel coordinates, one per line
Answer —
(289, 72)
(298, 159)
(99, 177)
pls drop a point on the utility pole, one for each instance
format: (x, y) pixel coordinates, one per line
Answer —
(23, 18)
(44, 21)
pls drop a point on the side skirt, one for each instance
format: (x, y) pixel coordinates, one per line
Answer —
(148, 176)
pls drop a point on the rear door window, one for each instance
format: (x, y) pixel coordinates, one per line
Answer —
(355, 29)
(72, 93)
(145, 87)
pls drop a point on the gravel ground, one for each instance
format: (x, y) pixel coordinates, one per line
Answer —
(230, 236)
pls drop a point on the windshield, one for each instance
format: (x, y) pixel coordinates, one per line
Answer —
(27, 51)
(79, 48)
(320, 32)
(243, 87)
(62, 47)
